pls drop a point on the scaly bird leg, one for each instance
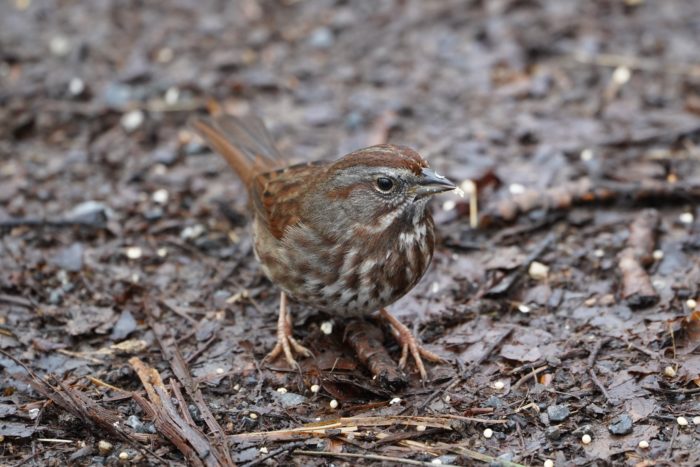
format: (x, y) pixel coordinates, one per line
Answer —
(285, 342)
(408, 344)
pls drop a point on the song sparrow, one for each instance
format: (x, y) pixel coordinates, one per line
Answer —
(348, 237)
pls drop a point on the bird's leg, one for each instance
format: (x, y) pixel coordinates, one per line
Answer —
(408, 344)
(285, 341)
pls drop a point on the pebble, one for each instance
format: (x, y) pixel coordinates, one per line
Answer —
(130, 121)
(436, 461)
(538, 271)
(105, 447)
(289, 399)
(691, 303)
(315, 388)
(586, 439)
(76, 86)
(160, 196)
(686, 218)
(134, 252)
(117, 95)
(70, 259)
(658, 255)
(137, 425)
(91, 212)
(682, 421)
(192, 231)
(321, 38)
(165, 55)
(587, 155)
(644, 444)
(670, 371)
(523, 308)
(553, 433)
(488, 433)
(696, 420)
(253, 416)
(327, 327)
(172, 95)
(395, 400)
(59, 46)
(558, 413)
(124, 456)
(516, 189)
(421, 427)
(494, 401)
(621, 75)
(333, 404)
(498, 385)
(622, 425)
(549, 463)
(282, 390)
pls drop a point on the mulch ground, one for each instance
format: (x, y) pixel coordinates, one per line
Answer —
(133, 315)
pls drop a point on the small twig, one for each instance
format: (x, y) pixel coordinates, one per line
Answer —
(672, 391)
(17, 301)
(669, 450)
(596, 350)
(40, 223)
(637, 63)
(532, 374)
(509, 281)
(637, 288)
(374, 457)
(197, 353)
(467, 373)
(275, 453)
(600, 386)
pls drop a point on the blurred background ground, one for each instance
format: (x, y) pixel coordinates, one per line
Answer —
(118, 227)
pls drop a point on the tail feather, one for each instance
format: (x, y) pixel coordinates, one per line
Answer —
(243, 142)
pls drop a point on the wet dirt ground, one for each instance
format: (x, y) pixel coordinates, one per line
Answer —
(134, 317)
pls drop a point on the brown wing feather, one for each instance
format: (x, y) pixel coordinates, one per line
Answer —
(275, 195)
(248, 148)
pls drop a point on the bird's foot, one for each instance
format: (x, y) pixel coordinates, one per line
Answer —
(409, 344)
(286, 343)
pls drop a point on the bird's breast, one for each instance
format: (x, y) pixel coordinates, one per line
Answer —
(349, 276)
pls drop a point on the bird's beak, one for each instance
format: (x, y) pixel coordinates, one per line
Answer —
(432, 183)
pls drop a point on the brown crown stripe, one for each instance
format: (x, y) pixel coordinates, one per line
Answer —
(376, 156)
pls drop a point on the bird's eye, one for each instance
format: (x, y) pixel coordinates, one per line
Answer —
(385, 184)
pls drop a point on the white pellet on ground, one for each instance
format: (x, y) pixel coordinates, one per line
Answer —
(327, 327)
(130, 121)
(134, 252)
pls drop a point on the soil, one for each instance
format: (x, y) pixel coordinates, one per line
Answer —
(134, 317)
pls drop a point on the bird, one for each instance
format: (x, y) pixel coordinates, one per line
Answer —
(347, 237)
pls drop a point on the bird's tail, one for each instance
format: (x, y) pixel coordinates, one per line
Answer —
(243, 142)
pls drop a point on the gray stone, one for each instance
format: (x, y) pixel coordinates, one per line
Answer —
(558, 413)
(622, 425)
